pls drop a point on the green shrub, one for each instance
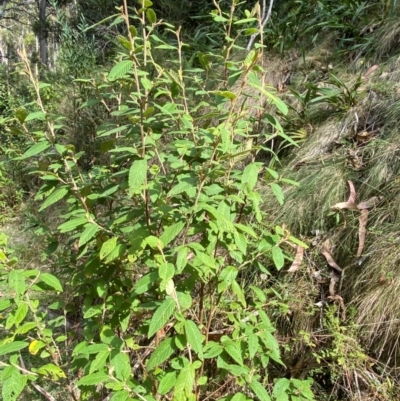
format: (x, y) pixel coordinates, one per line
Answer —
(161, 233)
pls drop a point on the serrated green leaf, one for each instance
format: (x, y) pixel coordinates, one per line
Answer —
(166, 271)
(250, 177)
(99, 361)
(51, 281)
(225, 94)
(36, 115)
(279, 392)
(93, 379)
(277, 190)
(171, 232)
(237, 290)
(259, 390)
(16, 281)
(120, 69)
(194, 337)
(92, 311)
(237, 370)
(253, 345)
(166, 383)
(183, 186)
(106, 132)
(212, 349)
(26, 327)
(55, 372)
(137, 176)
(88, 233)
(37, 148)
(154, 242)
(6, 372)
(20, 313)
(13, 386)
(72, 224)
(185, 300)
(108, 247)
(54, 197)
(181, 258)
(240, 241)
(101, 288)
(146, 282)
(116, 386)
(122, 366)
(223, 223)
(260, 293)
(206, 260)
(164, 350)
(146, 83)
(278, 257)
(271, 343)
(120, 396)
(234, 353)
(185, 381)
(239, 397)
(80, 348)
(226, 278)
(266, 323)
(95, 348)
(161, 316)
(31, 273)
(115, 253)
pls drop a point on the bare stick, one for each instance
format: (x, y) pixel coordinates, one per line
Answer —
(264, 20)
(41, 390)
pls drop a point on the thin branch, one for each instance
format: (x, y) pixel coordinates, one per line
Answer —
(264, 20)
(41, 390)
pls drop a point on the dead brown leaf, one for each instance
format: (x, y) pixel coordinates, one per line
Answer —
(362, 207)
(362, 231)
(368, 204)
(345, 205)
(351, 202)
(326, 251)
(365, 136)
(331, 261)
(352, 197)
(334, 279)
(297, 259)
(371, 70)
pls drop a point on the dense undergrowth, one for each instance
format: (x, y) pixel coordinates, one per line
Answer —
(202, 222)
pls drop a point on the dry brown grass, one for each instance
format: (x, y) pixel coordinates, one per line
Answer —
(334, 152)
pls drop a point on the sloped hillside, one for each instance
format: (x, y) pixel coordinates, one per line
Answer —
(345, 119)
